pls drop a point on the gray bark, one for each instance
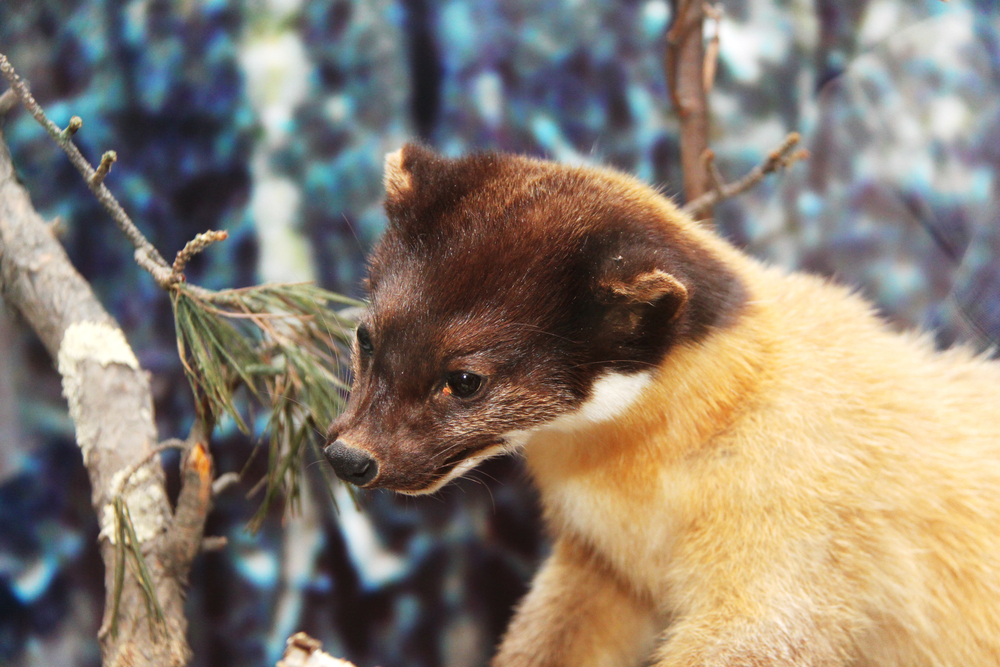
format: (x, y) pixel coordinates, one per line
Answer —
(13, 445)
(111, 406)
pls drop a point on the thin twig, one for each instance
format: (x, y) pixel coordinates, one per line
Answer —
(172, 443)
(193, 247)
(75, 123)
(146, 255)
(224, 481)
(781, 157)
(108, 159)
(714, 175)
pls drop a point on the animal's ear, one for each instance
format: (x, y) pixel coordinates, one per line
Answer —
(647, 287)
(406, 168)
(636, 299)
(398, 181)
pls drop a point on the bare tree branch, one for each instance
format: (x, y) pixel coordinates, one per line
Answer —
(781, 157)
(690, 69)
(112, 411)
(147, 550)
(147, 256)
(684, 64)
(183, 539)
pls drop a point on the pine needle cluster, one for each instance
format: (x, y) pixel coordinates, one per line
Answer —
(280, 347)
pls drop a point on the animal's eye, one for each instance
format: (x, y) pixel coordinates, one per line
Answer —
(462, 384)
(365, 341)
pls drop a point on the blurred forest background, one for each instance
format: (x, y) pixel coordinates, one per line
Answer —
(270, 119)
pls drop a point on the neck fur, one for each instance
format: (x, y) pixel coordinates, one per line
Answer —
(666, 413)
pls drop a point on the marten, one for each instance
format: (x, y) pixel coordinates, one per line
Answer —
(738, 466)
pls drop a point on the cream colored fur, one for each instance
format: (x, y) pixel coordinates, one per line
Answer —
(803, 487)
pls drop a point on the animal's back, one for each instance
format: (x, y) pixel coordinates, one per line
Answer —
(894, 450)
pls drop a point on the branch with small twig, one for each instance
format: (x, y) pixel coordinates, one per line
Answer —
(684, 63)
(282, 343)
(690, 68)
(147, 256)
(782, 157)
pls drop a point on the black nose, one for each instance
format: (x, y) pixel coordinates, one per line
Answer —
(351, 465)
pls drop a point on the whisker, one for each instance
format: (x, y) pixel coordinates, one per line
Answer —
(486, 474)
(333, 344)
(535, 327)
(493, 501)
(457, 443)
(353, 233)
(303, 406)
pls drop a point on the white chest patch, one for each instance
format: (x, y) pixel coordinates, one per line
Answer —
(610, 396)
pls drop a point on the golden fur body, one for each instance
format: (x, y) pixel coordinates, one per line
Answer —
(805, 487)
(739, 467)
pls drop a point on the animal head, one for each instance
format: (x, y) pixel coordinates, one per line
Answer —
(505, 293)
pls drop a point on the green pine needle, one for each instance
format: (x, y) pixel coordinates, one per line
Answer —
(127, 546)
(288, 349)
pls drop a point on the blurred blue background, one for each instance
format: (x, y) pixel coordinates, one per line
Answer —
(270, 118)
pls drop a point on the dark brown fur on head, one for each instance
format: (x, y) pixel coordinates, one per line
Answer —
(534, 276)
